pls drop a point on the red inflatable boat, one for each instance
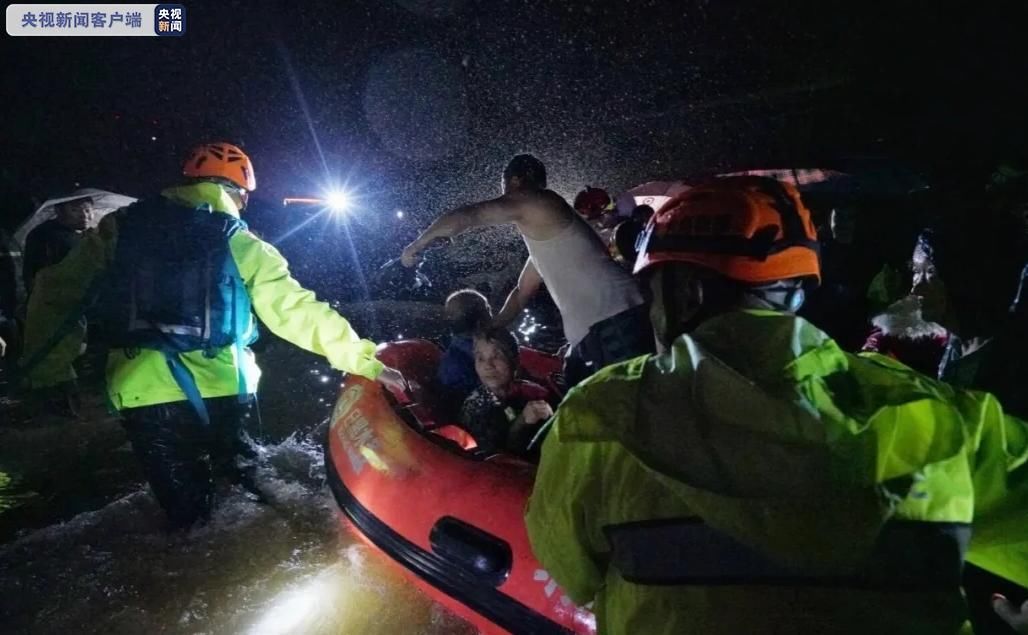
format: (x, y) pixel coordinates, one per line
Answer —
(412, 485)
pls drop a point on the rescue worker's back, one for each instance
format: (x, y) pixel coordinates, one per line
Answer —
(864, 446)
(754, 478)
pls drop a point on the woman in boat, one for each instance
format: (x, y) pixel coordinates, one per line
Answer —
(505, 412)
(467, 311)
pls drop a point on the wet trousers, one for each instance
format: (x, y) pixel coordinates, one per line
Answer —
(615, 339)
(181, 457)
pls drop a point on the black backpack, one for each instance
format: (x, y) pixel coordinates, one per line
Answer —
(172, 287)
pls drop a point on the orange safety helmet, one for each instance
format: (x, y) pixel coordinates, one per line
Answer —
(221, 160)
(752, 229)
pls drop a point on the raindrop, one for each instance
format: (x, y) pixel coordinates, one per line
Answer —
(415, 103)
(432, 8)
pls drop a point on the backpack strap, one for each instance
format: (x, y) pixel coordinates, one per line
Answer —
(240, 328)
(241, 319)
(240, 323)
(187, 383)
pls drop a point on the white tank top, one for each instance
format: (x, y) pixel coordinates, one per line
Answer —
(586, 285)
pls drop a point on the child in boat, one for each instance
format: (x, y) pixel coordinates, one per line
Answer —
(466, 311)
(504, 413)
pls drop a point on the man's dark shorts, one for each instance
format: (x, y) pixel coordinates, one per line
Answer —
(618, 338)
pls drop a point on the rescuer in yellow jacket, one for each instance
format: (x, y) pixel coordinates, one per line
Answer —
(174, 279)
(752, 477)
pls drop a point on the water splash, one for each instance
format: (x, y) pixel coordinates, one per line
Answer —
(282, 568)
(10, 495)
(114, 568)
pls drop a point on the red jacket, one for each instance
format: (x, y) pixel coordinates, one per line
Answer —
(903, 335)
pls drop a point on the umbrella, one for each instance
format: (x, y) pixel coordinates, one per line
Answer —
(802, 178)
(654, 194)
(854, 177)
(870, 177)
(104, 203)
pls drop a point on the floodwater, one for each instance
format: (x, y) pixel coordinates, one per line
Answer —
(83, 547)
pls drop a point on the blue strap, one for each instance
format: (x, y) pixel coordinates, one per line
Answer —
(185, 381)
(240, 323)
(244, 395)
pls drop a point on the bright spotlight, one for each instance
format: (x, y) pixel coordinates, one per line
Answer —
(338, 201)
(399, 213)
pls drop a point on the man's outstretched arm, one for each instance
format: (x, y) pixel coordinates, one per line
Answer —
(528, 285)
(497, 211)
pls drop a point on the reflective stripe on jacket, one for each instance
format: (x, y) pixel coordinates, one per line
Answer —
(286, 308)
(835, 490)
(908, 556)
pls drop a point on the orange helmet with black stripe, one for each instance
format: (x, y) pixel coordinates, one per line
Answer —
(221, 160)
(751, 229)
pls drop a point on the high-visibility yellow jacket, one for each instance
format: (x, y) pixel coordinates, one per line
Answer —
(290, 311)
(757, 479)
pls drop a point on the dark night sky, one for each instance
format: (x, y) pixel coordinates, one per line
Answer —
(420, 102)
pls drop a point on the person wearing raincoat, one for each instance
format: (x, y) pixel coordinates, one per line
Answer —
(752, 477)
(53, 240)
(184, 410)
(967, 274)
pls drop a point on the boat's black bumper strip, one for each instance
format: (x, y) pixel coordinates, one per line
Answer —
(443, 575)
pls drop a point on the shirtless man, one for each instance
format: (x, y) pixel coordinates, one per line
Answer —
(605, 318)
